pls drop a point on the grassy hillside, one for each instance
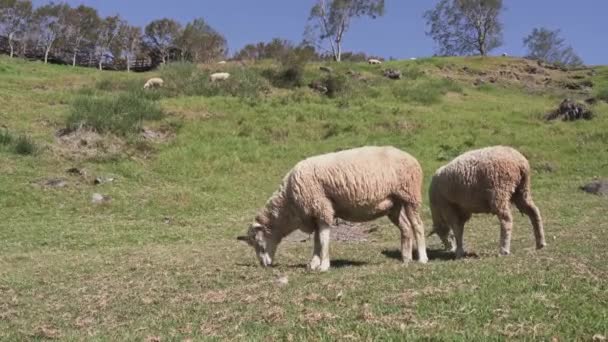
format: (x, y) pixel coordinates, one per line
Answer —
(159, 259)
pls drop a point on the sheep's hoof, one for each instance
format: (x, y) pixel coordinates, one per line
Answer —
(541, 245)
(423, 260)
(504, 252)
(324, 266)
(314, 264)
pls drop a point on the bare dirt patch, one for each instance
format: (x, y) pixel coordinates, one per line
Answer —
(86, 144)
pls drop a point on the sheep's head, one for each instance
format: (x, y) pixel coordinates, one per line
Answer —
(260, 238)
(445, 234)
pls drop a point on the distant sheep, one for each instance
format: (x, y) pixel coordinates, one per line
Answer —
(486, 180)
(358, 185)
(221, 62)
(219, 76)
(374, 61)
(154, 82)
(504, 54)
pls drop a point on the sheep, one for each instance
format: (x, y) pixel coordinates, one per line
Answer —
(374, 61)
(219, 76)
(154, 82)
(221, 62)
(485, 180)
(358, 185)
(504, 54)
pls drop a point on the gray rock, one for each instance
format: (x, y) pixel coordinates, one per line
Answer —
(597, 187)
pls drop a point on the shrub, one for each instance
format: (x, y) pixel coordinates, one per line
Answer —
(336, 85)
(24, 145)
(121, 115)
(6, 138)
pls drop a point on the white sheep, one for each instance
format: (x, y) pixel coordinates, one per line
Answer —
(504, 54)
(221, 62)
(358, 185)
(486, 180)
(154, 82)
(374, 61)
(219, 76)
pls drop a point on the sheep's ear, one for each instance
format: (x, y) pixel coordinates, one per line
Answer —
(244, 239)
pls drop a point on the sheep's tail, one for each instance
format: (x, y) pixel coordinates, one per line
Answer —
(522, 191)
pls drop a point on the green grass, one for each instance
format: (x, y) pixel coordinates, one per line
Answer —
(161, 258)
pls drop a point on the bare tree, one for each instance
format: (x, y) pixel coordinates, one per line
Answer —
(462, 27)
(106, 36)
(547, 45)
(82, 25)
(330, 19)
(162, 35)
(130, 40)
(50, 22)
(14, 17)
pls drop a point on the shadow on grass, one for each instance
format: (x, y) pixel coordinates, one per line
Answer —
(337, 263)
(433, 254)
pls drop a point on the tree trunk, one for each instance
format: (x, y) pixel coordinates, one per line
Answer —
(100, 63)
(10, 43)
(128, 63)
(46, 55)
(74, 59)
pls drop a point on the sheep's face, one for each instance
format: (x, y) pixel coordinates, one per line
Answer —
(446, 236)
(258, 238)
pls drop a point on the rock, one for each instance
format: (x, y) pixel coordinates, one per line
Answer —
(570, 110)
(392, 74)
(97, 198)
(598, 338)
(478, 82)
(76, 171)
(53, 183)
(596, 187)
(282, 281)
(318, 86)
(591, 101)
(326, 69)
(103, 180)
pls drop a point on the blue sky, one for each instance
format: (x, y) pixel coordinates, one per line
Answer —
(400, 33)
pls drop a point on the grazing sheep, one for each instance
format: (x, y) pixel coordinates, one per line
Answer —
(221, 62)
(358, 185)
(486, 180)
(154, 82)
(504, 54)
(374, 61)
(219, 76)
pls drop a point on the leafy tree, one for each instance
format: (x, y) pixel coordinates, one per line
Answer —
(330, 19)
(462, 27)
(50, 22)
(14, 17)
(129, 38)
(162, 34)
(107, 38)
(199, 42)
(547, 45)
(82, 25)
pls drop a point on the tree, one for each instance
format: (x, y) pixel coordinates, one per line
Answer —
(50, 22)
(130, 40)
(162, 35)
(199, 42)
(462, 27)
(547, 46)
(14, 17)
(82, 26)
(106, 37)
(330, 19)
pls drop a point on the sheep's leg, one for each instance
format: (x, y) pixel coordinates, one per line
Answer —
(527, 206)
(316, 254)
(506, 226)
(324, 235)
(399, 219)
(458, 230)
(418, 230)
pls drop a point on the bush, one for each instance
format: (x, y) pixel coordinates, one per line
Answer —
(24, 145)
(427, 91)
(6, 138)
(336, 85)
(121, 115)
